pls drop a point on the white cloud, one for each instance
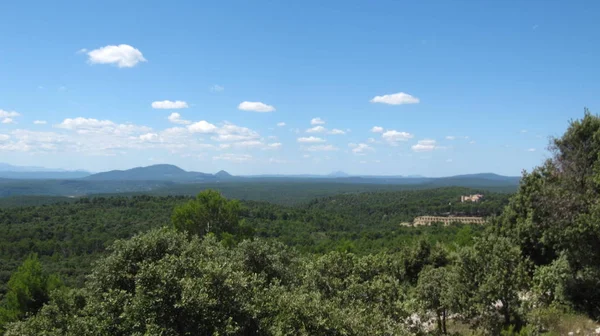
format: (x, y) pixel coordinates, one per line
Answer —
(321, 148)
(523, 131)
(233, 157)
(393, 136)
(170, 105)
(426, 145)
(316, 129)
(395, 99)
(40, 122)
(371, 140)
(8, 121)
(4, 137)
(280, 124)
(224, 146)
(360, 148)
(450, 137)
(472, 142)
(217, 88)
(231, 132)
(175, 118)
(149, 137)
(306, 156)
(248, 144)
(202, 126)
(90, 125)
(255, 107)
(336, 131)
(311, 139)
(377, 129)
(123, 55)
(531, 150)
(274, 145)
(317, 121)
(8, 114)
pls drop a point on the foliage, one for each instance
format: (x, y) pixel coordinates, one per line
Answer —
(210, 212)
(164, 283)
(28, 291)
(69, 236)
(555, 216)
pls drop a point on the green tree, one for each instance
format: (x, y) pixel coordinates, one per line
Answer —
(556, 212)
(28, 291)
(434, 293)
(210, 212)
(490, 277)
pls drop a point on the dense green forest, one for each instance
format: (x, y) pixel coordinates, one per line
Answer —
(285, 191)
(68, 236)
(339, 265)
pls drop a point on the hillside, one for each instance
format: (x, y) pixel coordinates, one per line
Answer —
(159, 172)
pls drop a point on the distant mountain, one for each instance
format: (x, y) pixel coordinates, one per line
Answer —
(489, 176)
(35, 173)
(221, 174)
(159, 172)
(338, 174)
(43, 175)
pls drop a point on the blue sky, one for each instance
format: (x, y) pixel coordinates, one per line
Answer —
(431, 87)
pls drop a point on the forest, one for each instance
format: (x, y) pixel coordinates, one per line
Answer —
(333, 265)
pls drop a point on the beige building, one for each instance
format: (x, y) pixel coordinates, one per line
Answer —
(471, 198)
(428, 220)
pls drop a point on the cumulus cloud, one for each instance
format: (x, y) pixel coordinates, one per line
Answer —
(426, 145)
(399, 98)
(377, 129)
(316, 129)
(317, 121)
(8, 121)
(274, 145)
(40, 122)
(531, 150)
(91, 125)
(311, 139)
(8, 114)
(450, 137)
(4, 137)
(360, 148)
(231, 132)
(336, 131)
(175, 118)
(280, 124)
(170, 105)
(123, 55)
(393, 136)
(255, 107)
(248, 144)
(148, 137)
(233, 157)
(202, 126)
(321, 148)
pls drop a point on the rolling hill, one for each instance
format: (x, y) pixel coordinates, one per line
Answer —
(159, 172)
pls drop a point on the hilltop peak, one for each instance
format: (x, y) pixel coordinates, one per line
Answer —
(222, 174)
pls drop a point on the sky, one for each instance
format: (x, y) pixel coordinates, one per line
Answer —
(433, 88)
